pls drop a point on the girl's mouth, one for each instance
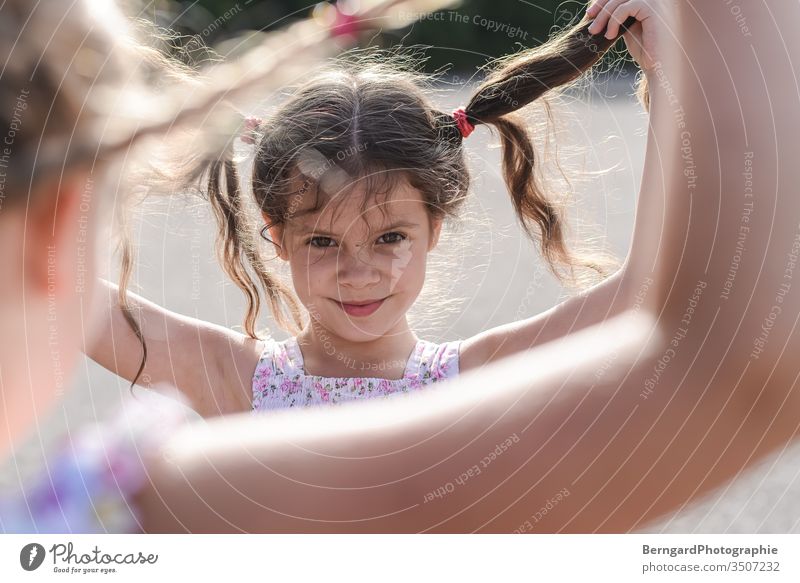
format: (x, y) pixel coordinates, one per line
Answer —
(360, 309)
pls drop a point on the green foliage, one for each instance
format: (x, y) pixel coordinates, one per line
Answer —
(465, 36)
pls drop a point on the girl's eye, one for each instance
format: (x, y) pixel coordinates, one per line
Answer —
(393, 237)
(321, 242)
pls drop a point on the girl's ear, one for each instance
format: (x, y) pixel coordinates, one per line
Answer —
(276, 235)
(436, 229)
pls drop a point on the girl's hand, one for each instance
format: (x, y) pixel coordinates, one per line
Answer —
(641, 38)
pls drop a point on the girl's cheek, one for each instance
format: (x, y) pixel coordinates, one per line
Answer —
(310, 278)
(418, 265)
(317, 276)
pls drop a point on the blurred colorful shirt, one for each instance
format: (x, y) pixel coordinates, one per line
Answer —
(87, 487)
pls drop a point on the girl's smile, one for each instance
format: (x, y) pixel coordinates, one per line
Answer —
(358, 309)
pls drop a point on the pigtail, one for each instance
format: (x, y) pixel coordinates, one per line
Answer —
(514, 82)
(127, 260)
(527, 195)
(240, 257)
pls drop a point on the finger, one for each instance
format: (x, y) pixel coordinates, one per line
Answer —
(618, 16)
(603, 15)
(595, 7)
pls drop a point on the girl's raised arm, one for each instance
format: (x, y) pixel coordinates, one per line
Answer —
(202, 360)
(616, 424)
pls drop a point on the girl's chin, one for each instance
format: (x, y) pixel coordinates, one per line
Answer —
(360, 329)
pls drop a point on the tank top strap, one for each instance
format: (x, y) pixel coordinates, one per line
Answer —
(276, 360)
(279, 358)
(291, 359)
(434, 361)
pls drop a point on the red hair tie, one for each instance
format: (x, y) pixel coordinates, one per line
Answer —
(345, 24)
(464, 126)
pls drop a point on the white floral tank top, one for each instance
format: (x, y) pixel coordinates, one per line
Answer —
(280, 380)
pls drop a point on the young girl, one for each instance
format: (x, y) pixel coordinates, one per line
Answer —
(353, 177)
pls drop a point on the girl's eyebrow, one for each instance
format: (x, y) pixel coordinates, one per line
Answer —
(310, 229)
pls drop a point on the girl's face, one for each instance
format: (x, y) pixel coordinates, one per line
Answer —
(347, 253)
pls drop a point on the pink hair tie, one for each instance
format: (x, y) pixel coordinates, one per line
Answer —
(464, 126)
(345, 24)
(251, 125)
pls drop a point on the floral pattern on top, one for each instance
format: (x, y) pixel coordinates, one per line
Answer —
(88, 486)
(280, 380)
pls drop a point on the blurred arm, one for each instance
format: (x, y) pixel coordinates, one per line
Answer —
(569, 421)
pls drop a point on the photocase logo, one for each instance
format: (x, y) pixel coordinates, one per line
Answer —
(31, 556)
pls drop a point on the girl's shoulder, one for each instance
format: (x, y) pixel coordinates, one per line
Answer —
(277, 358)
(89, 484)
(435, 360)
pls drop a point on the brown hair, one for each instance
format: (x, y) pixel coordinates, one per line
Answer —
(369, 121)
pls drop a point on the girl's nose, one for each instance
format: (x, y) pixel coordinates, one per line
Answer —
(355, 268)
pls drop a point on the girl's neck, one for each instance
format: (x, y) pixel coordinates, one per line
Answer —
(326, 354)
